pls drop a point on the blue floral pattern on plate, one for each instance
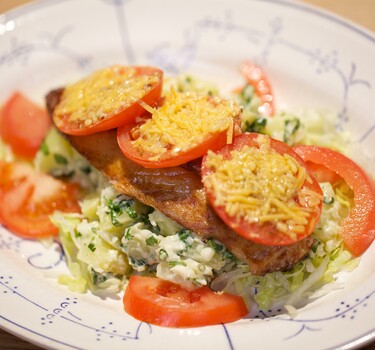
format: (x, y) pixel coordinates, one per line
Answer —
(209, 41)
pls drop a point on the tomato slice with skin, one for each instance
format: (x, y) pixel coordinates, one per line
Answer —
(358, 228)
(265, 233)
(164, 303)
(182, 129)
(129, 109)
(28, 198)
(257, 78)
(23, 125)
(322, 174)
(169, 159)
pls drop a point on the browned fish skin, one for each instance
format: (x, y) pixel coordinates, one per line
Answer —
(52, 100)
(179, 194)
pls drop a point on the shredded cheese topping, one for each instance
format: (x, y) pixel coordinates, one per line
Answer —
(260, 185)
(104, 93)
(183, 122)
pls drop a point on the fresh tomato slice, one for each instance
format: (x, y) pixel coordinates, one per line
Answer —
(321, 173)
(23, 125)
(358, 228)
(28, 198)
(184, 128)
(256, 77)
(169, 159)
(107, 99)
(263, 190)
(163, 303)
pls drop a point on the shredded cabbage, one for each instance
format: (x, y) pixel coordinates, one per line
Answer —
(295, 287)
(93, 263)
(308, 127)
(58, 158)
(116, 235)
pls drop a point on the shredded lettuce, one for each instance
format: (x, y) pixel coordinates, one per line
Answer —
(305, 127)
(188, 83)
(165, 225)
(308, 127)
(117, 236)
(93, 263)
(292, 289)
(57, 157)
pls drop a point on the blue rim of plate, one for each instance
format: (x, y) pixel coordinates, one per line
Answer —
(367, 34)
(360, 340)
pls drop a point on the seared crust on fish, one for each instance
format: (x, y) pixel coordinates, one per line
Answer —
(178, 192)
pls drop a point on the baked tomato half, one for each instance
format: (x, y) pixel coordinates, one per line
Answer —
(256, 77)
(263, 190)
(163, 303)
(107, 99)
(184, 128)
(28, 198)
(358, 228)
(23, 125)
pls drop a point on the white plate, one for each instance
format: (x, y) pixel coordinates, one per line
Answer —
(314, 59)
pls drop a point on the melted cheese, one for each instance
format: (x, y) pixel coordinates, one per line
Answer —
(260, 185)
(183, 122)
(104, 93)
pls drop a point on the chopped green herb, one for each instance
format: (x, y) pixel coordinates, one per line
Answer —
(78, 234)
(146, 221)
(184, 234)
(315, 246)
(291, 127)
(128, 235)
(86, 169)
(247, 94)
(131, 212)
(176, 262)
(62, 173)
(151, 241)
(92, 247)
(114, 220)
(215, 245)
(44, 148)
(257, 125)
(229, 256)
(118, 206)
(137, 262)
(98, 278)
(60, 159)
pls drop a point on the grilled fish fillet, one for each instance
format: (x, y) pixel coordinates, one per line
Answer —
(178, 193)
